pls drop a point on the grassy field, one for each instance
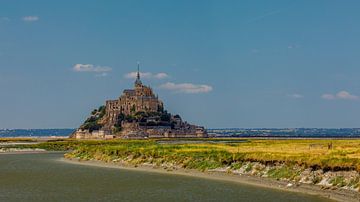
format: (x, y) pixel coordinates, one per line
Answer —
(2, 140)
(213, 153)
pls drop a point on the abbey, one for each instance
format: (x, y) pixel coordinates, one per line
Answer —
(137, 113)
(140, 99)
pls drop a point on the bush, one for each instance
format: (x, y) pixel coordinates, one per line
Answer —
(236, 165)
(338, 181)
(282, 173)
(91, 123)
(165, 117)
(91, 126)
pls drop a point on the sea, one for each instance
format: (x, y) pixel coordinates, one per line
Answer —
(35, 132)
(221, 132)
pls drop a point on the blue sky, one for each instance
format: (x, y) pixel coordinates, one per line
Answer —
(217, 63)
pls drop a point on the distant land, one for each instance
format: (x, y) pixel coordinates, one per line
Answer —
(220, 132)
(286, 132)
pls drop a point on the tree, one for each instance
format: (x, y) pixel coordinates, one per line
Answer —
(133, 109)
(165, 117)
(91, 123)
(120, 119)
(91, 126)
(94, 112)
(160, 108)
(102, 110)
(129, 118)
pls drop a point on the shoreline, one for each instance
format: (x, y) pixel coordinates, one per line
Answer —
(332, 194)
(21, 151)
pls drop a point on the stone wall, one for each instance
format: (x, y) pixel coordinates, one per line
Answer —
(86, 134)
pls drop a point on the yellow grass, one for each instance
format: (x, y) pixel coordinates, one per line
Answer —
(343, 155)
(344, 152)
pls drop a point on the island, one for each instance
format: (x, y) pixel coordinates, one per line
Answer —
(137, 114)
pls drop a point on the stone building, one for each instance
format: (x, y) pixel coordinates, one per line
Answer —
(141, 98)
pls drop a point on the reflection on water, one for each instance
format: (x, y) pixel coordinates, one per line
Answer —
(40, 177)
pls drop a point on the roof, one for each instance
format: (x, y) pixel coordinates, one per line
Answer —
(129, 91)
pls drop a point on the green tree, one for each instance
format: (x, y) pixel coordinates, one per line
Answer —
(166, 117)
(133, 108)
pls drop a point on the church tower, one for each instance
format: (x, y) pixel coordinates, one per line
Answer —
(138, 82)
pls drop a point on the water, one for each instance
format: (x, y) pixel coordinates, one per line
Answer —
(41, 177)
(232, 132)
(35, 132)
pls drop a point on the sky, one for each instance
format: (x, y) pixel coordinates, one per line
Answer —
(220, 64)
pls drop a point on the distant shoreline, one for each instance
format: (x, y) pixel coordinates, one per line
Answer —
(275, 133)
(49, 138)
(34, 137)
(334, 194)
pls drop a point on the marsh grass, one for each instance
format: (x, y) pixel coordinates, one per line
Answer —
(354, 183)
(17, 140)
(338, 181)
(285, 172)
(205, 154)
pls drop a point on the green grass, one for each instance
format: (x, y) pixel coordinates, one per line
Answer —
(284, 172)
(338, 181)
(355, 182)
(249, 167)
(213, 153)
(17, 140)
(236, 165)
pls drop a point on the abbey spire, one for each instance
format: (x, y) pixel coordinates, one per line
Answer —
(138, 81)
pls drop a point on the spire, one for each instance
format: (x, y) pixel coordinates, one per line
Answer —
(138, 81)
(138, 70)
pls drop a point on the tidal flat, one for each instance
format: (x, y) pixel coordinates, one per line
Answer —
(44, 177)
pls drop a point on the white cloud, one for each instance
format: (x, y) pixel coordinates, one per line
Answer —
(342, 95)
(30, 18)
(161, 75)
(90, 68)
(187, 87)
(346, 96)
(296, 96)
(147, 75)
(293, 46)
(328, 96)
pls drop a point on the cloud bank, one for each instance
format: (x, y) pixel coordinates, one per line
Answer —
(147, 75)
(342, 95)
(187, 88)
(91, 68)
(30, 18)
